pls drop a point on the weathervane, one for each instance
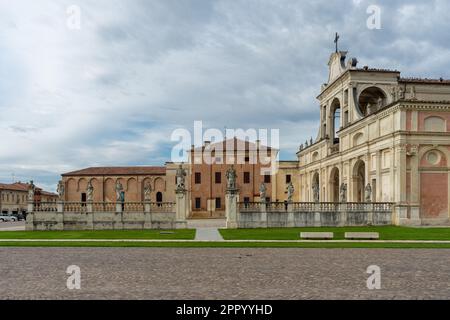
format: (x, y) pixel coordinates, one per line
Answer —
(336, 40)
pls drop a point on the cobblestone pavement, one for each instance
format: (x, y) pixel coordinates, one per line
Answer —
(207, 273)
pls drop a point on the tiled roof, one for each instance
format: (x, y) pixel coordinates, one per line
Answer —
(376, 70)
(237, 145)
(14, 186)
(117, 171)
(424, 80)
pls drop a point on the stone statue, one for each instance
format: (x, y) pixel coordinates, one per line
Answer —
(90, 192)
(181, 178)
(401, 93)
(306, 144)
(147, 191)
(290, 191)
(413, 93)
(393, 93)
(380, 102)
(311, 141)
(231, 178)
(119, 192)
(61, 190)
(368, 193)
(301, 147)
(316, 192)
(31, 191)
(262, 192)
(343, 193)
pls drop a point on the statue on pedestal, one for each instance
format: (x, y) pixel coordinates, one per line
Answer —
(316, 192)
(343, 193)
(147, 191)
(90, 192)
(120, 195)
(181, 178)
(231, 178)
(262, 192)
(31, 191)
(60, 190)
(290, 191)
(368, 193)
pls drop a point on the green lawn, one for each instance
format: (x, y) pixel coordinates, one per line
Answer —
(194, 244)
(182, 234)
(386, 233)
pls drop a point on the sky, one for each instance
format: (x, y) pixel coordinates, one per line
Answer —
(109, 88)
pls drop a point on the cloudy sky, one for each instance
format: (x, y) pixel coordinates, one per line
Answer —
(113, 91)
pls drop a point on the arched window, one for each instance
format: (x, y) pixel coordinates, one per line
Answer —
(336, 120)
(371, 100)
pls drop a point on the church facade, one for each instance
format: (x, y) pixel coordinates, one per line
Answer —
(382, 138)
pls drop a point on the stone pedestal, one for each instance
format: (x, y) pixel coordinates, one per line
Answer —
(264, 215)
(60, 206)
(147, 215)
(343, 214)
(29, 224)
(369, 209)
(317, 221)
(118, 217)
(290, 217)
(89, 216)
(181, 209)
(231, 208)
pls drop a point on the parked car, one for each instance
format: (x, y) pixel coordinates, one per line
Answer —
(7, 218)
(19, 216)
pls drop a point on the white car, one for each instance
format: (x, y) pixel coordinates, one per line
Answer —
(7, 218)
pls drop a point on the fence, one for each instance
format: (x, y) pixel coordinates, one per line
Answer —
(307, 214)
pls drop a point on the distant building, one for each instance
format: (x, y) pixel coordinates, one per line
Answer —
(14, 197)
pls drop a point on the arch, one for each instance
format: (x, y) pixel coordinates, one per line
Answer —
(358, 139)
(72, 190)
(359, 181)
(159, 185)
(370, 100)
(335, 112)
(315, 156)
(333, 186)
(82, 185)
(109, 190)
(97, 192)
(315, 185)
(144, 182)
(434, 124)
(132, 190)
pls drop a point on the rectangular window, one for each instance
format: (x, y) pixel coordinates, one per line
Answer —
(247, 159)
(198, 178)
(246, 199)
(198, 203)
(268, 199)
(218, 178)
(218, 203)
(288, 178)
(83, 197)
(246, 177)
(267, 178)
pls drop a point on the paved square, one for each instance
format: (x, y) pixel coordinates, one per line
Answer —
(207, 273)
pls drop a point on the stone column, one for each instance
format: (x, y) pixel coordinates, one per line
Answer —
(317, 221)
(290, 217)
(379, 195)
(60, 215)
(29, 225)
(147, 215)
(89, 215)
(263, 214)
(231, 208)
(118, 217)
(181, 209)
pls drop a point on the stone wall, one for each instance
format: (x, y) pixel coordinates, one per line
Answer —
(314, 215)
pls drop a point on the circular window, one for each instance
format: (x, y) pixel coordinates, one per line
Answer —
(433, 158)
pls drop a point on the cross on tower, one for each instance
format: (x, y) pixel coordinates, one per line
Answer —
(336, 40)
